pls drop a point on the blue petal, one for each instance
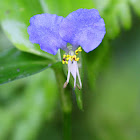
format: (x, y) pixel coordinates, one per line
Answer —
(84, 28)
(43, 30)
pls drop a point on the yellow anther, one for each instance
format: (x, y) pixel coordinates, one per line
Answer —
(63, 62)
(68, 57)
(64, 56)
(79, 49)
(76, 52)
(77, 59)
(74, 56)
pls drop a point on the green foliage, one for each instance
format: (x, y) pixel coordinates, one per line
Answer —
(115, 111)
(24, 116)
(17, 64)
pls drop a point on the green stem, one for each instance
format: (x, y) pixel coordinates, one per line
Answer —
(65, 95)
(67, 126)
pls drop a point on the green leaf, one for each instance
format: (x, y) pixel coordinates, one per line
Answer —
(4, 42)
(15, 16)
(15, 64)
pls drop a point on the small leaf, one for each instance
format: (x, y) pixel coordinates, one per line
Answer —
(15, 64)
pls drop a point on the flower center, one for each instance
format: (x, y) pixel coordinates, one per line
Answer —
(71, 56)
(71, 59)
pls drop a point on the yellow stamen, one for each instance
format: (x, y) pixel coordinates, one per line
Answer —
(74, 56)
(77, 59)
(64, 56)
(63, 62)
(76, 52)
(79, 49)
(68, 57)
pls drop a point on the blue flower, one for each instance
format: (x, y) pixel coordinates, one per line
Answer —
(83, 27)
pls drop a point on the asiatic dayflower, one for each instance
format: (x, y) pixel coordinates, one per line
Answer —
(83, 27)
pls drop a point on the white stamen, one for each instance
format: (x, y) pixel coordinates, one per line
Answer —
(68, 77)
(73, 69)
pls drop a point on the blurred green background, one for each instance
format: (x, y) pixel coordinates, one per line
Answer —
(30, 108)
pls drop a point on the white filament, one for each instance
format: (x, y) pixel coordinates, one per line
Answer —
(73, 69)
